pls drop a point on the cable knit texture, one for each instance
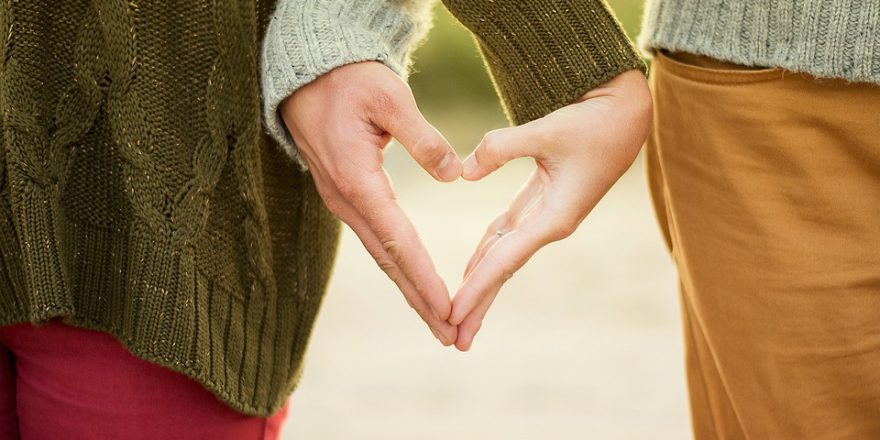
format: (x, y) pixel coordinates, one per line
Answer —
(825, 38)
(141, 196)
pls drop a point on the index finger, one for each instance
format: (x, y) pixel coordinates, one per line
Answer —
(444, 331)
(507, 255)
(400, 116)
(375, 201)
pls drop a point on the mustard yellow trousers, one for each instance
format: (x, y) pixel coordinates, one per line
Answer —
(766, 185)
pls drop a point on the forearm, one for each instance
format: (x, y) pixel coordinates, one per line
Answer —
(546, 54)
(308, 38)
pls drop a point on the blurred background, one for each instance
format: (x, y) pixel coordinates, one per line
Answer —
(583, 342)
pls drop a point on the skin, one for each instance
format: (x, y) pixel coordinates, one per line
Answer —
(342, 122)
(579, 151)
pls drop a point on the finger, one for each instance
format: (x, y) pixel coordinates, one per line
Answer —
(500, 262)
(527, 197)
(445, 332)
(442, 330)
(472, 323)
(374, 200)
(489, 237)
(400, 116)
(501, 146)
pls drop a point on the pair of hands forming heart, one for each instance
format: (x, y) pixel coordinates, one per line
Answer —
(342, 121)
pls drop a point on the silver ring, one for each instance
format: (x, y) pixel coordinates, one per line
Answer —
(499, 233)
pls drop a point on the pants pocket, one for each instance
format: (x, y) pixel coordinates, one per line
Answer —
(710, 70)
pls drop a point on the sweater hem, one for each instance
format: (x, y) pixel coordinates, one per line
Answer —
(244, 346)
(140, 196)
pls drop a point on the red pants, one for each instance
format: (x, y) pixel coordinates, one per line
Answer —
(59, 381)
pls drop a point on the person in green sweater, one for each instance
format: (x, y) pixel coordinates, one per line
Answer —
(163, 258)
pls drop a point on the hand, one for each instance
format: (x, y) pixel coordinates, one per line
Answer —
(580, 151)
(341, 123)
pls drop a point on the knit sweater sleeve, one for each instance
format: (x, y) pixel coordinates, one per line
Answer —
(545, 54)
(307, 38)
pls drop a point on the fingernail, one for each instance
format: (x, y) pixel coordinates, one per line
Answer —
(441, 336)
(452, 336)
(437, 334)
(449, 167)
(469, 166)
(445, 161)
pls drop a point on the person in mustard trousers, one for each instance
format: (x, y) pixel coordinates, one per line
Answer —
(764, 167)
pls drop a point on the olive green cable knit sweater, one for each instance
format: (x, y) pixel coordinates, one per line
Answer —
(140, 195)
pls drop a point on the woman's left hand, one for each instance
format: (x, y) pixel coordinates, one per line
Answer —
(580, 151)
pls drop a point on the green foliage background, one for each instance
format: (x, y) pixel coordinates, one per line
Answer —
(452, 86)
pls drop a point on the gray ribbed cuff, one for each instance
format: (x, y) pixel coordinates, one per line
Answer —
(308, 38)
(824, 38)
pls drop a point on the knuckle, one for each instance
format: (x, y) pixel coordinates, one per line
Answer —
(429, 150)
(392, 270)
(410, 302)
(490, 149)
(345, 185)
(392, 249)
(389, 267)
(385, 99)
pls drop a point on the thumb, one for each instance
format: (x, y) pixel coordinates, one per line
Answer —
(403, 121)
(499, 147)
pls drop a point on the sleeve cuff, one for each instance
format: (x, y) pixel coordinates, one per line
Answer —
(544, 55)
(308, 38)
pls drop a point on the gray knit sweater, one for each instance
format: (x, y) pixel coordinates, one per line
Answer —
(308, 38)
(825, 38)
